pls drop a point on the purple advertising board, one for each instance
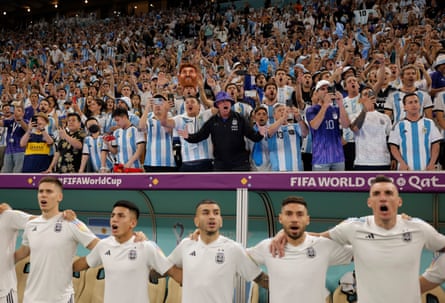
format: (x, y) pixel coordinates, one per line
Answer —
(427, 182)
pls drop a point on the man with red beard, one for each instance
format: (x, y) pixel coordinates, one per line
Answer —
(193, 86)
(188, 75)
(227, 129)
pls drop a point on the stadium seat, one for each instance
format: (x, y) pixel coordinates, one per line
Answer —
(435, 295)
(78, 283)
(22, 271)
(254, 293)
(156, 292)
(174, 292)
(339, 296)
(93, 291)
(329, 299)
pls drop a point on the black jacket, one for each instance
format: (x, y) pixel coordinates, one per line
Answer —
(229, 146)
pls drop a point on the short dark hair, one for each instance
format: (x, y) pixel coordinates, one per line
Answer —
(52, 180)
(258, 108)
(160, 96)
(91, 119)
(294, 199)
(120, 112)
(230, 84)
(409, 95)
(74, 115)
(129, 205)
(270, 84)
(381, 179)
(205, 201)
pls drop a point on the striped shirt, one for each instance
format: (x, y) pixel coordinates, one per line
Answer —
(352, 108)
(414, 140)
(394, 103)
(194, 151)
(126, 141)
(159, 148)
(284, 148)
(93, 147)
(243, 109)
(439, 106)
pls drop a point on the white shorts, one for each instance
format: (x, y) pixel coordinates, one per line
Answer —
(11, 297)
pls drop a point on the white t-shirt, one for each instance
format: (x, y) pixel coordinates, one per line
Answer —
(209, 270)
(127, 267)
(436, 272)
(10, 222)
(371, 147)
(53, 246)
(302, 270)
(387, 262)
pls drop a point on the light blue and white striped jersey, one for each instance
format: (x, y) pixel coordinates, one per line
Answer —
(194, 151)
(414, 140)
(306, 145)
(3, 133)
(126, 141)
(394, 103)
(93, 147)
(284, 93)
(259, 154)
(108, 121)
(159, 147)
(285, 148)
(243, 109)
(352, 107)
(270, 118)
(439, 106)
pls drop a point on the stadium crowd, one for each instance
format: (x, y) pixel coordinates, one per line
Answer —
(325, 85)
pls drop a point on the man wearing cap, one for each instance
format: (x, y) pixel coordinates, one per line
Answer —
(325, 118)
(37, 142)
(438, 76)
(227, 129)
